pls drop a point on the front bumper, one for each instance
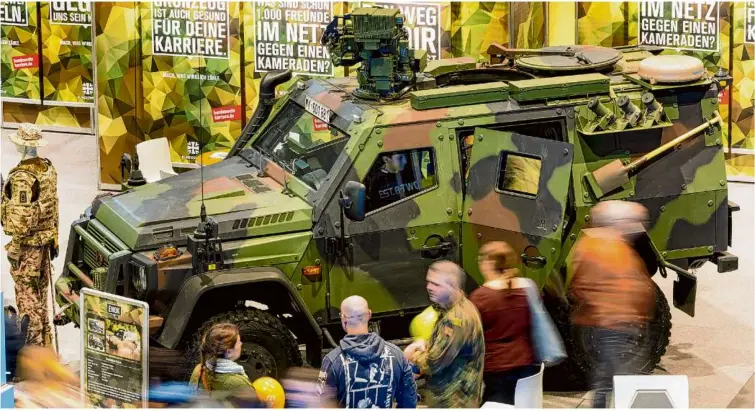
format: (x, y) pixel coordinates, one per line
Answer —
(97, 259)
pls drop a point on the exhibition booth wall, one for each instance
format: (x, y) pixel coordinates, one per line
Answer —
(189, 71)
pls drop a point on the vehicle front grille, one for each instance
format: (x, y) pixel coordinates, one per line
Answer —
(93, 258)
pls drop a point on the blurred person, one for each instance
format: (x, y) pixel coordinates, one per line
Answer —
(15, 338)
(452, 360)
(217, 371)
(45, 382)
(612, 290)
(303, 389)
(366, 371)
(29, 216)
(506, 321)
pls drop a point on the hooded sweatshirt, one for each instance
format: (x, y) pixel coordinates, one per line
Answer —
(368, 372)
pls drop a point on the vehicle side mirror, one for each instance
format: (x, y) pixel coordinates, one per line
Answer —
(352, 200)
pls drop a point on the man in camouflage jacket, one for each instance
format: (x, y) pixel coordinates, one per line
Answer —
(29, 215)
(453, 359)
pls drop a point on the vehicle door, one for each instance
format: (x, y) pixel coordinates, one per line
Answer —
(517, 191)
(411, 218)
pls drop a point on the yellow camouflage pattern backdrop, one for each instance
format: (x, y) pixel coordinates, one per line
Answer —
(201, 103)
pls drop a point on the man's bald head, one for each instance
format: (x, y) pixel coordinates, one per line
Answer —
(355, 315)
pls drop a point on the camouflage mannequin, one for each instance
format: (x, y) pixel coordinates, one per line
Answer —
(29, 215)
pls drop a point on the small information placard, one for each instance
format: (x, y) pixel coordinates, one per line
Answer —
(115, 350)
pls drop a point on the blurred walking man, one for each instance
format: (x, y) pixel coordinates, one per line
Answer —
(453, 359)
(366, 371)
(613, 293)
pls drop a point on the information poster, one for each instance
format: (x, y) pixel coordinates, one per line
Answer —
(287, 36)
(681, 25)
(750, 22)
(19, 52)
(190, 29)
(67, 55)
(115, 350)
(422, 23)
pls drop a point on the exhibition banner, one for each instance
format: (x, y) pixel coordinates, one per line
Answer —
(115, 350)
(422, 22)
(287, 36)
(67, 68)
(19, 51)
(681, 25)
(750, 22)
(191, 75)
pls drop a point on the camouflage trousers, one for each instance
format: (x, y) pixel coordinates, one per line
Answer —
(31, 274)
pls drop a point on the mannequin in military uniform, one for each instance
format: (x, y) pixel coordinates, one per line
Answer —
(29, 215)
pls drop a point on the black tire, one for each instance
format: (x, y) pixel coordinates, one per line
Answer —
(654, 339)
(268, 348)
(571, 375)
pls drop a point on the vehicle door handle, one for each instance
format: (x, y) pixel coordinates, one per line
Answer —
(535, 261)
(436, 251)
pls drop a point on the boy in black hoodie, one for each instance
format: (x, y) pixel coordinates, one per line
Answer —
(366, 371)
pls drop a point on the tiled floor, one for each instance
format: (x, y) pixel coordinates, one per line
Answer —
(715, 349)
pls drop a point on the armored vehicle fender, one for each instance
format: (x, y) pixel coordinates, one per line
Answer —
(203, 296)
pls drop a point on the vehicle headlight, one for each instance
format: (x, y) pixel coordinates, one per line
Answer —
(139, 279)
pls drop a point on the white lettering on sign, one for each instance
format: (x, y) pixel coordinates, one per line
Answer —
(681, 25)
(71, 12)
(287, 36)
(14, 13)
(750, 22)
(422, 23)
(317, 109)
(190, 28)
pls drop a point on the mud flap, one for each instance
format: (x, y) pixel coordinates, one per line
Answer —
(685, 291)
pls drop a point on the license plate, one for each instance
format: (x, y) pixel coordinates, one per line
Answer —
(317, 109)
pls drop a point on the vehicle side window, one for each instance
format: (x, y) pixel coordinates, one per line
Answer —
(399, 174)
(519, 174)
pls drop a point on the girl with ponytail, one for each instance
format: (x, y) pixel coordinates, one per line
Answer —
(217, 370)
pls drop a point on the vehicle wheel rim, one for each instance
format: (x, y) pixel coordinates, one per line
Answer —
(257, 361)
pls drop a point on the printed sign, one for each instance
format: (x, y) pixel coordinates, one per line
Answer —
(231, 113)
(22, 62)
(750, 22)
(71, 12)
(681, 25)
(115, 350)
(14, 13)
(190, 28)
(287, 37)
(422, 23)
(319, 125)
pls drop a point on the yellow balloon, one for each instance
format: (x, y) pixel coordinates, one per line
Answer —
(270, 392)
(421, 327)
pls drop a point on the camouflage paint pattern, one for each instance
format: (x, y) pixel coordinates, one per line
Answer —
(32, 281)
(30, 216)
(462, 207)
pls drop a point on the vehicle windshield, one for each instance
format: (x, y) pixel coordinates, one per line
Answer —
(302, 144)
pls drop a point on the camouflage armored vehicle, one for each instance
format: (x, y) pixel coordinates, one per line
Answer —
(356, 185)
